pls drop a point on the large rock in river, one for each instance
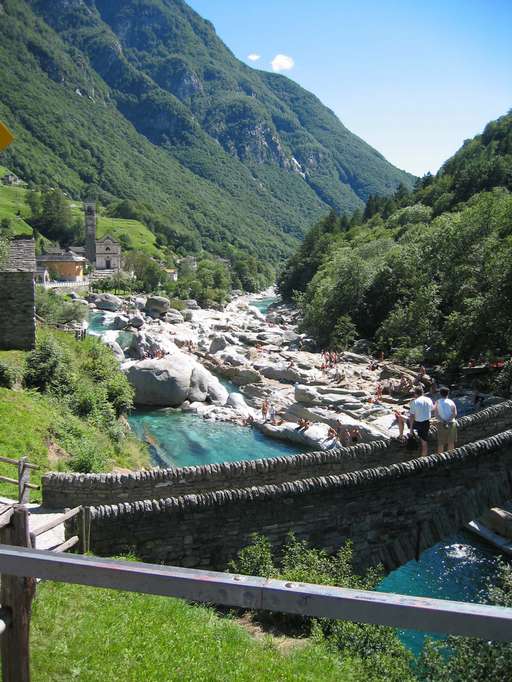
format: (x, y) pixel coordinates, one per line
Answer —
(170, 381)
(157, 305)
(108, 302)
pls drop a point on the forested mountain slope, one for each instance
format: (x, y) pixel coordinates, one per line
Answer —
(426, 274)
(142, 100)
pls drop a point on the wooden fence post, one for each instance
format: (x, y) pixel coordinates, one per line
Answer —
(23, 481)
(16, 595)
(85, 519)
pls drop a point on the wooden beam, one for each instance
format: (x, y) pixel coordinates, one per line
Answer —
(319, 601)
(64, 546)
(15, 481)
(15, 462)
(5, 516)
(23, 481)
(55, 522)
(16, 594)
(5, 619)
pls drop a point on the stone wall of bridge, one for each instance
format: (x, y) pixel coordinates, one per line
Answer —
(389, 513)
(68, 490)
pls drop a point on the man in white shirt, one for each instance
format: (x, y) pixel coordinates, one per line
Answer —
(446, 411)
(419, 419)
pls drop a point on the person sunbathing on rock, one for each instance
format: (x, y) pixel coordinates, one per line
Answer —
(355, 435)
(332, 434)
(304, 425)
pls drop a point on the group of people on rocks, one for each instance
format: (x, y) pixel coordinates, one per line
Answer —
(269, 414)
(153, 354)
(345, 435)
(330, 359)
(421, 410)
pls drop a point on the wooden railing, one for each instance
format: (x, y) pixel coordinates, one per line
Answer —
(21, 565)
(17, 592)
(23, 481)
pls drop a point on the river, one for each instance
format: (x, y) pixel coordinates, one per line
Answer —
(459, 568)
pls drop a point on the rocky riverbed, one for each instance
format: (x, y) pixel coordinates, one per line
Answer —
(179, 359)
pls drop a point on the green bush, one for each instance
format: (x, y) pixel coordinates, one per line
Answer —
(465, 659)
(86, 459)
(91, 402)
(377, 647)
(53, 308)
(8, 376)
(48, 367)
(120, 393)
(503, 382)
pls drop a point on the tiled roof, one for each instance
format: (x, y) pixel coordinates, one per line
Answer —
(69, 256)
(107, 236)
(22, 256)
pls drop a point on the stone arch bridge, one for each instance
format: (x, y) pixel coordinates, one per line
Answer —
(391, 506)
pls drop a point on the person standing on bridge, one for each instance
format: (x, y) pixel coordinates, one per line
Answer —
(446, 411)
(419, 419)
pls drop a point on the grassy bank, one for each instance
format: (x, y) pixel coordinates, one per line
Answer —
(87, 634)
(64, 432)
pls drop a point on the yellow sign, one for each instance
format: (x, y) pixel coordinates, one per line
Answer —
(6, 137)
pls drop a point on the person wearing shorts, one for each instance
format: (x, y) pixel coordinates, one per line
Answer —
(446, 411)
(420, 412)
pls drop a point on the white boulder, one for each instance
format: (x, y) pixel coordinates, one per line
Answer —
(172, 380)
(108, 302)
(157, 305)
(237, 402)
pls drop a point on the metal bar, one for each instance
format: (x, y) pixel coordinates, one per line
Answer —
(319, 601)
(55, 522)
(8, 460)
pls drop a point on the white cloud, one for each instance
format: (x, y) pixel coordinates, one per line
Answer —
(253, 57)
(282, 62)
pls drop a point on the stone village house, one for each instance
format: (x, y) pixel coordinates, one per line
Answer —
(17, 297)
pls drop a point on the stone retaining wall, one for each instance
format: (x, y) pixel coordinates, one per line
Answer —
(68, 490)
(389, 513)
(17, 311)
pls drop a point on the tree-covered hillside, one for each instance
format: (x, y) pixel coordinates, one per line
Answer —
(425, 274)
(140, 100)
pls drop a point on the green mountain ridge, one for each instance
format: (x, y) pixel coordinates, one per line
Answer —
(142, 100)
(425, 275)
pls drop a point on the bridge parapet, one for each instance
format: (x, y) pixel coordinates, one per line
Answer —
(389, 513)
(68, 490)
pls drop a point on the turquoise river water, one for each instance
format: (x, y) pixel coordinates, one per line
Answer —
(459, 568)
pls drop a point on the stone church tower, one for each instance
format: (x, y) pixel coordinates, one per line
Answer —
(90, 232)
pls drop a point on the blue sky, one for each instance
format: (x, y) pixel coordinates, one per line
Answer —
(413, 78)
